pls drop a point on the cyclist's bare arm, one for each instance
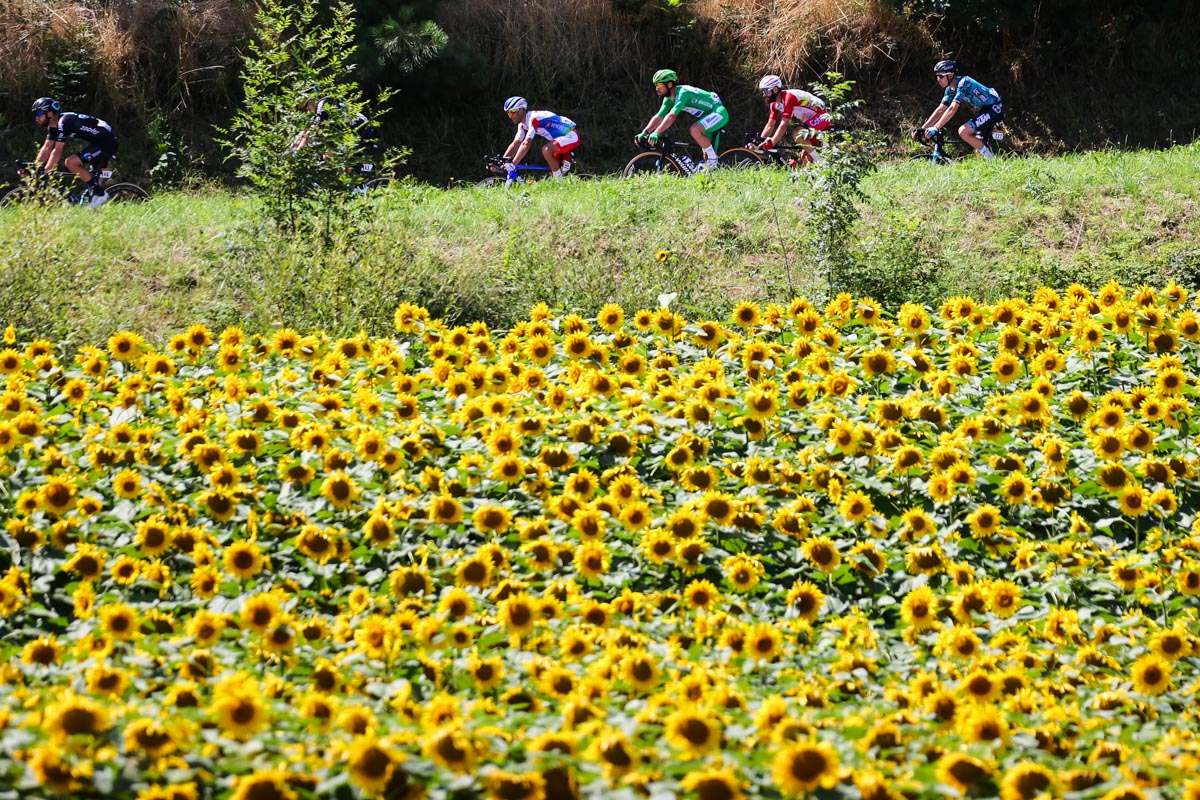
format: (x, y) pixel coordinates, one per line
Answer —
(666, 123)
(943, 114)
(50, 154)
(654, 123)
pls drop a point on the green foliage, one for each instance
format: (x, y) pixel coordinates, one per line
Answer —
(835, 188)
(303, 173)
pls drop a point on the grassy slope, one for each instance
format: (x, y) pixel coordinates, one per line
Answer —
(983, 228)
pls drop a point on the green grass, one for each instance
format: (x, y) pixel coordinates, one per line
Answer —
(988, 229)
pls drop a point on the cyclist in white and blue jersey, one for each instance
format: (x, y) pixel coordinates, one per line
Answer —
(559, 131)
(964, 90)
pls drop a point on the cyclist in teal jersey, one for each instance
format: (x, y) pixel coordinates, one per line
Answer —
(706, 107)
(964, 90)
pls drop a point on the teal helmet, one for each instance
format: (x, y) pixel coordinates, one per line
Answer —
(665, 76)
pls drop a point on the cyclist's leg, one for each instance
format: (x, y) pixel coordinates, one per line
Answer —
(977, 130)
(76, 166)
(558, 150)
(706, 132)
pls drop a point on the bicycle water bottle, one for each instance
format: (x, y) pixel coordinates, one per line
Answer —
(687, 162)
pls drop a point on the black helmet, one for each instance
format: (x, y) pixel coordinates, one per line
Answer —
(944, 66)
(43, 104)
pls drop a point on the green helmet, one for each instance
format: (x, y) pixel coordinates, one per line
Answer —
(665, 76)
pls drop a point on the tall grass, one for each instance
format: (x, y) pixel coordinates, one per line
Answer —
(989, 229)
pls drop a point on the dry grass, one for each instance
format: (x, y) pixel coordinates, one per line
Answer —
(138, 53)
(557, 42)
(803, 38)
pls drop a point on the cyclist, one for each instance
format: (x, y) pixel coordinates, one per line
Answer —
(322, 110)
(786, 106)
(706, 107)
(961, 89)
(558, 131)
(100, 144)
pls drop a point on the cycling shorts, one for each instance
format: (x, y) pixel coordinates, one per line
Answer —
(983, 123)
(713, 121)
(98, 154)
(567, 142)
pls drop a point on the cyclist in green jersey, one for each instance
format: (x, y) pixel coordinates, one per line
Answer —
(706, 107)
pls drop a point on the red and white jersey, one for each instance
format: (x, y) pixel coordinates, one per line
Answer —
(797, 104)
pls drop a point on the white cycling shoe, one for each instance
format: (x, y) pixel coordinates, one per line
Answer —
(99, 200)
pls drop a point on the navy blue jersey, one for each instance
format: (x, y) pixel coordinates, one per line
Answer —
(81, 126)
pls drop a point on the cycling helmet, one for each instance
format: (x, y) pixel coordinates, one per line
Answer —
(43, 104)
(514, 104)
(770, 83)
(665, 76)
(944, 66)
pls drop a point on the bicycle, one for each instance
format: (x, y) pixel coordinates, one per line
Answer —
(671, 158)
(61, 186)
(789, 156)
(960, 149)
(369, 180)
(526, 173)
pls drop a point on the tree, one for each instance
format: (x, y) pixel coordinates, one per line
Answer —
(300, 53)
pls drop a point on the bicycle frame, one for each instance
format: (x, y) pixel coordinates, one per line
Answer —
(63, 180)
(676, 151)
(498, 165)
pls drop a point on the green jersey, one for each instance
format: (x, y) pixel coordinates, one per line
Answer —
(691, 100)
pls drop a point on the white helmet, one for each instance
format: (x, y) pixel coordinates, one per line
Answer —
(770, 83)
(514, 104)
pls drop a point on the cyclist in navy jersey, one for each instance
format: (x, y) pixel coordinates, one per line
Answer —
(323, 110)
(100, 144)
(962, 89)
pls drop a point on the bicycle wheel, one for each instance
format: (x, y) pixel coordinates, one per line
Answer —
(378, 183)
(651, 164)
(739, 157)
(126, 193)
(493, 181)
(40, 195)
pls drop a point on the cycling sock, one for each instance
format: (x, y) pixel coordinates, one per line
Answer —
(710, 153)
(558, 173)
(983, 151)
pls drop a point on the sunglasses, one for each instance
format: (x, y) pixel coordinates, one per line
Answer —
(943, 74)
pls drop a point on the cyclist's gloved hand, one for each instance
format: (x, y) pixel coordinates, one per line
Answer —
(653, 138)
(931, 132)
(639, 139)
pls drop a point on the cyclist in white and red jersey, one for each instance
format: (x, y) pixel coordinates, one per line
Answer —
(788, 106)
(100, 144)
(558, 131)
(959, 90)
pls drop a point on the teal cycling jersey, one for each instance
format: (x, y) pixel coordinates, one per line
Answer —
(972, 92)
(690, 100)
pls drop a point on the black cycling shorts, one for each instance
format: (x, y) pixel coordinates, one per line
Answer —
(98, 154)
(986, 120)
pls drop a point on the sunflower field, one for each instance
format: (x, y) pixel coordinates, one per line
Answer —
(802, 551)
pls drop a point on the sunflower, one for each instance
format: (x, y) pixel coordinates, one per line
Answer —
(269, 784)
(714, 784)
(517, 613)
(692, 731)
(451, 748)
(73, 715)
(804, 766)
(44, 651)
(371, 764)
(340, 490)
(57, 495)
(1004, 598)
(243, 560)
(239, 708)
(807, 599)
(763, 642)
(1026, 781)
(919, 608)
(119, 621)
(962, 771)
(1151, 674)
(701, 594)
(148, 737)
(823, 553)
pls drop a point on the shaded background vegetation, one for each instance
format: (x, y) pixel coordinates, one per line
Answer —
(1074, 73)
